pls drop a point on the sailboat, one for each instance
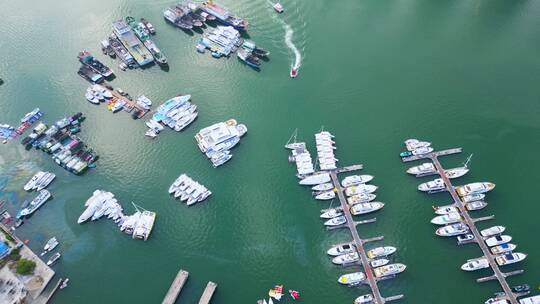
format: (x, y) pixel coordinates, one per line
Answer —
(294, 144)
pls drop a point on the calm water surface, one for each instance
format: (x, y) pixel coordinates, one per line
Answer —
(460, 73)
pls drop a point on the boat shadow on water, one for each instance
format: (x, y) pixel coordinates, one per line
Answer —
(198, 30)
(187, 31)
(164, 67)
(147, 66)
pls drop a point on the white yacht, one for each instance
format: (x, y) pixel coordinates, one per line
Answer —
(44, 181)
(323, 187)
(491, 231)
(498, 240)
(177, 183)
(423, 169)
(381, 252)
(472, 198)
(327, 195)
(364, 299)
(346, 258)
(434, 185)
(413, 144)
(219, 137)
(475, 264)
(360, 189)
(510, 258)
(456, 172)
(341, 249)
(364, 208)
(379, 262)
(356, 180)
(352, 278)
(452, 229)
(49, 246)
(336, 221)
(503, 248)
(441, 210)
(475, 188)
(331, 213)
(422, 150)
(315, 179)
(476, 205)
(30, 185)
(445, 219)
(390, 269)
(143, 227)
(361, 198)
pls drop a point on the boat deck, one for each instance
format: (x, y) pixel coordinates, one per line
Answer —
(478, 239)
(208, 293)
(176, 287)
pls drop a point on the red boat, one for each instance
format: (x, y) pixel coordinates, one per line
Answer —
(294, 72)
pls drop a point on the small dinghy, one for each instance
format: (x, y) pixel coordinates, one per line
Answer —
(341, 249)
(336, 221)
(498, 240)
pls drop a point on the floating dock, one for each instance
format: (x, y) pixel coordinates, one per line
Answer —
(478, 239)
(176, 287)
(208, 293)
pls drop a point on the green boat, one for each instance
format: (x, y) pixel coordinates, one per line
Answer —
(141, 32)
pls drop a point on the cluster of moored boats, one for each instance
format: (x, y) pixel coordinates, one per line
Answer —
(102, 203)
(92, 69)
(51, 244)
(176, 113)
(188, 15)
(451, 217)
(188, 190)
(216, 140)
(251, 55)
(121, 100)
(67, 150)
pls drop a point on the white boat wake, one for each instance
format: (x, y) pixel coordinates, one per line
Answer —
(288, 41)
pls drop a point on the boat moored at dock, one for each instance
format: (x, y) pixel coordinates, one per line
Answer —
(510, 258)
(475, 188)
(35, 204)
(90, 61)
(364, 208)
(224, 16)
(450, 218)
(498, 240)
(475, 264)
(491, 231)
(133, 45)
(352, 279)
(452, 229)
(341, 249)
(388, 270)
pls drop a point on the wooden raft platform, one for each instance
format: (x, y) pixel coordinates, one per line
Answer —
(176, 287)
(208, 293)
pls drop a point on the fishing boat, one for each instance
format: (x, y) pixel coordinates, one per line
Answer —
(278, 7)
(121, 51)
(156, 52)
(364, 299)
(472, 197)
(148, 26)
(510, 258)
(133, 45)
(361, 198)
(360, 189)
(476, 205)
(254, 49)
(491, 231)
(248, 58)
(315, 179)
(503, 248)
(356, 180)
(346, 258)
(452, 229)
(381, 252)
(475, 264)
(336, 221)
(90, 61)
(294, 72)
(223, 15)
(326, 195)
(498, 240)
(412, 144)
(53, 259)
(352, 278)
(88, 74)
(475, 188)
(379, 262)
(35, 204)
(30, 185)
(331, 213)
(49, 246)
(341, 249)
(390, 269)
(364, 208)
(434, 185)
(445, 219)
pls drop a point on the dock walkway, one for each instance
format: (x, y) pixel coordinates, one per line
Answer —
(208, 293)
(498, 274)
(176, 287)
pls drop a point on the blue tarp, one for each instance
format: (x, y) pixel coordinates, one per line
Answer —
(3, 249)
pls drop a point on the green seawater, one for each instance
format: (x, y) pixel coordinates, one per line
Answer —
(374, 72)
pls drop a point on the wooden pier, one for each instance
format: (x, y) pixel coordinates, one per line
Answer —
(208, 293)
(176, 287)
(497, 273)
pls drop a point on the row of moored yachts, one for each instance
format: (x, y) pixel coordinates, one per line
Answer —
(188, 190)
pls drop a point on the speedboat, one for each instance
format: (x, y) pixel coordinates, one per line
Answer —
(150, 133)
(472, 197)
(45, 181)
(475, 264)
(360, 189)
(30, 185)
(390, 269)
(452, 230)
(521, 288)
(355, 180)
(346, 258)
(315, 179)
(363, 208)
(336, 221)
(475, 188)
(381, 252)
(361, 198)
(341, 249)
(331, 213)
(441, 210)
(449, 218)
(323, 187)
(49, 246)
(364, 299)
(510, 258)
(491, 231)
(503, 248)
(294, 72)
(327, 195)
(352, 278)
(423, 169)
(434, 185)
(379, 262)
(278, 7)
(498, 240)
(64, 283)
(465, 238)
(53, 259)
(413, 144)
(476, 205)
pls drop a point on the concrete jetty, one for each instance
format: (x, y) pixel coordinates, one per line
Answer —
(208, 293)
(176, 287)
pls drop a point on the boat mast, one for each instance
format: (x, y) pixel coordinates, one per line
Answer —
(293, 135)
(467, 161)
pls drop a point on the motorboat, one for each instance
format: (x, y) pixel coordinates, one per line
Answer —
(331, 213)
(49, 246)
(32, 182)
(53, 259)
(379, 262)
(364, 299)
(464, 238)
(390, 269)
(476, 205)
(445, 219)
(423, 169)
(510, 258)
(64, 283)
(381, 252)
(503, 248)
(441, 210)
(364, 208)
(452, 229)
(498, 301)
(355, 180)
(360, 189)
(434, 185)
(521, 288)
(352, 278)
(498, 240)
(315, 179)
(472, 197)
(336, 221)
(413, 144)
(422, 150)
(346, 258)
(35, 204)
(491, 231)
(475, 188)
(323, 187)
(341, 249)
(327, 195)
(278, 7)
(294, 72)
(475, 264)
(530, 300)
(456, 172)
(361, 198)
(151, 133)
(45, 181)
